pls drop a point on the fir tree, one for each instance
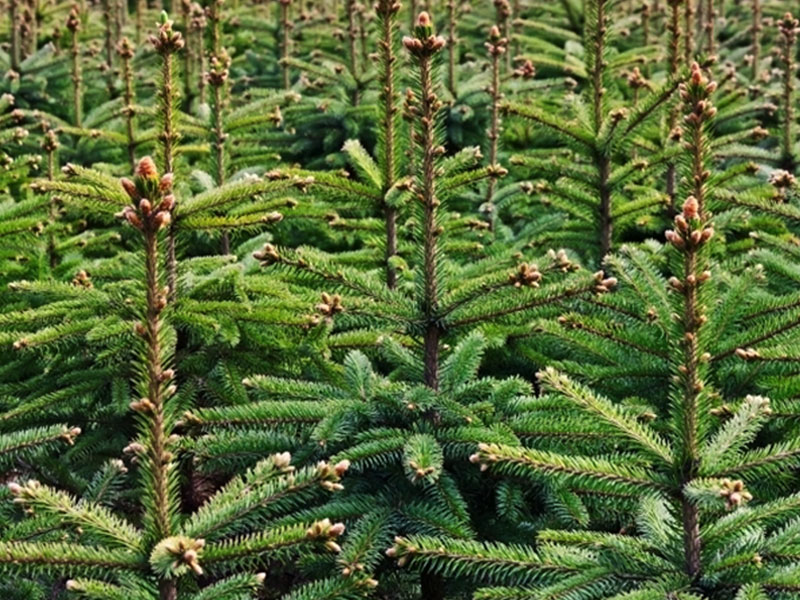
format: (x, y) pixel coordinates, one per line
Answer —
(423, 421)
(600, 189)
(154, 558)
(321, 272)
(687, 538)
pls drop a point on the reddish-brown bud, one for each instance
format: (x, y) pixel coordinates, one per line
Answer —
(129, 187)
(146, 168)
(165, 185)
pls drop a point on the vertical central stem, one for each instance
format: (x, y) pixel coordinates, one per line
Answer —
(140, 7)
(216, 34)
(219, 148)
(159, 457)
(201, 58)
(168, 135)
(674, 28)
(285, 25)
(598, 68)
(168, 590)
(52, 211)
(494, 133)
(688, 19)
(646, 14)
(451, 47)
(756, 31)
(129, 111)
(711, 17)
(34, 26)
(363, 35)
(691, 538)
(168, 139)
(219, 133)
(188, 53)
(154, 387)
(51, 165)
(352, 32)
(602, 159)
(495, 92)
(692, 385)
(77, 94)
(606, 223)
(120, 8)
(674, 41)
(787, 138)
(429, 201)
(109, 39)
(691, 379)
(14, 35)
(700, 20)
(389, 150)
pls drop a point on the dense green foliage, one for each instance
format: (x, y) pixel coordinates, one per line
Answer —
(436, 300)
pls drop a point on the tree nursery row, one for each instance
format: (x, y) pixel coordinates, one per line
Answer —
(419, 300)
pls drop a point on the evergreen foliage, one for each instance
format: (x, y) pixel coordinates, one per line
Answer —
(421, 300)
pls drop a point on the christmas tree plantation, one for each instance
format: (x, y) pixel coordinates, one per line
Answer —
(419, 300)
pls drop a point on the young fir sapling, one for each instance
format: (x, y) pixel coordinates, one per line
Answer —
(596, 190)
(611, 487)
(111, 557)
(694, 482)
(420, 423)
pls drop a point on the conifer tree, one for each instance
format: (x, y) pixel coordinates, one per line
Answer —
(56, 328)
(597, 191)
(442, 306)
(420, 423)
(153, 558)
(382, 301)
(693, 478)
